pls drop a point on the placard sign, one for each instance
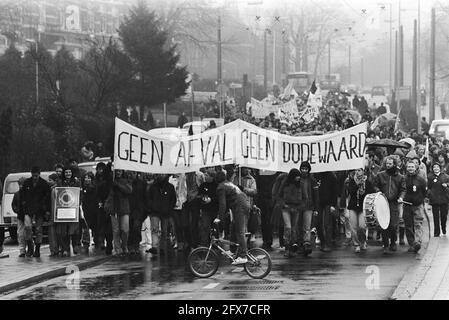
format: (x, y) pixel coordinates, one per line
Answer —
(65, 204)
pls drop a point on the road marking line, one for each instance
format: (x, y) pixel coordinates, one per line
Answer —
(211, 285)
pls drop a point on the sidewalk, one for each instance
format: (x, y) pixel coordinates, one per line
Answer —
(429, 279)
(18, 272)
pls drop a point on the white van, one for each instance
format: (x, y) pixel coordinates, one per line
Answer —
(440, 128)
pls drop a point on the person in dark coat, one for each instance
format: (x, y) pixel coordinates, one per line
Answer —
(103, 184)
(265, 184)
(137, 214)
(208, 205)
(161, 201)
(121, 192)
(308, 208)
(392, 184)
(438, 193)
(358, 186)
(327, 195)
(90, 208)
(36, 197)
(416, 189)
(24, 225)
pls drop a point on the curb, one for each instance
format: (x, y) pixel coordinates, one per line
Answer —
(61, 271)
(415, 275)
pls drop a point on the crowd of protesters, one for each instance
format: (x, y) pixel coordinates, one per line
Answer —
(124, 211)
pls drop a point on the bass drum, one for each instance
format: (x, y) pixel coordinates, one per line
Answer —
(377, 211)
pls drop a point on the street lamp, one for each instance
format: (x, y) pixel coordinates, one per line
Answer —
(37, 69)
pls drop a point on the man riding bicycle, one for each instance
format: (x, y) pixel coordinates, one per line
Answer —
(231, 197)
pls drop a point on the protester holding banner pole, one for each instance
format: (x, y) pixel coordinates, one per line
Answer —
(121, 191)
(161, 201)
(103, 183)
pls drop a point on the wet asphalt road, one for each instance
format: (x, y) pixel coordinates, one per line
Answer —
(340, 274)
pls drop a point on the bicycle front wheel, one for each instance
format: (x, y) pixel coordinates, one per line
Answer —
(259, 263)
(203, 263)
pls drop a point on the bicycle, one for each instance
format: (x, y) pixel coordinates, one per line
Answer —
(204, 261)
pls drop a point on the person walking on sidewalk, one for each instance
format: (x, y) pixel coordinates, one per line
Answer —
(414, 207)
(36, 193)
(24, 225)
(358, 186)
(392, 184)
(438, 193)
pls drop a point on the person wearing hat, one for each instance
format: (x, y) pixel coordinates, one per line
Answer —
(438, 193)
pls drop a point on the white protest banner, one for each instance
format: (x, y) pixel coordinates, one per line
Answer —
(309, 114)
(260, 110)
(237, 142)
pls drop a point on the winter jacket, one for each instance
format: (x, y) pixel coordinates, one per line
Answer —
(161, 199)
(121, 190)
(265, 185)
(36, 197)
(103, 185)
(230, 196)
(356, 201)
(391, 185)
(193, 181)
(18, 205)
(436, 192)
(209, 189)
(327, 189)
(89, 200)
(309, 193)
(291, 194)
(277, 188)
(416, 189)
(137, 200)
(248, 186)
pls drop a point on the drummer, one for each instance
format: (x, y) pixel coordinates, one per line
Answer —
(392, 184)
(357, 186)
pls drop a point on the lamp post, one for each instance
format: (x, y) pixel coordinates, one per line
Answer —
(36, 44)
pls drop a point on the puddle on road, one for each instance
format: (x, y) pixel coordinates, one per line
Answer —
(115, 280)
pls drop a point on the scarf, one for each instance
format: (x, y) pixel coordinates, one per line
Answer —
(360, 181)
